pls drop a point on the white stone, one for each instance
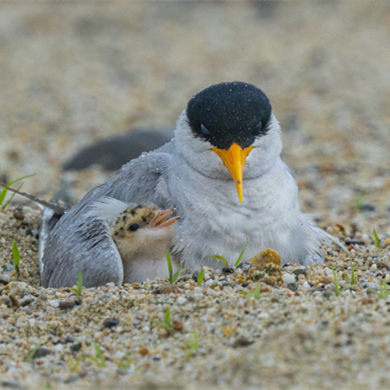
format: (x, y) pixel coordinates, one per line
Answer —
(263, 315)
(328, 271)
(288, 278)
(181, 300)
(54, 303)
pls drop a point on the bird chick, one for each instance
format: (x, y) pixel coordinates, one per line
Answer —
(142, 234)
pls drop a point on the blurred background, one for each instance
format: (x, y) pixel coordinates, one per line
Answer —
(74, 73)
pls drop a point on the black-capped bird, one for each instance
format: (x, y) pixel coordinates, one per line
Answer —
(224, 175)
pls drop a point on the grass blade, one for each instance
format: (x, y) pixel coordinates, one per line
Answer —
(201, 277)
(2, 196)
(177, 275)
(20, 178)
(3, 193)
(168, 319)
(30, 356)
(10, 199)
(222, 259)
(80, 282)
(169, 266)
(238, 261)
(256, 293)
(335, 281)
(376, 238)
(100, 355)
(16, 255)
(79, 290)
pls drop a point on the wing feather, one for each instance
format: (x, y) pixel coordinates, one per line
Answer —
(81, 239)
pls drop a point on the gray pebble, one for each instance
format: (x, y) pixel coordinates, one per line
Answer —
(41, 352)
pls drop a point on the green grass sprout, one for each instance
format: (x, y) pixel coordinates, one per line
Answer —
(16, 256)
(383, 292)
(352, 280)
(256, 293)
(239, 258)
(192, 346)
(30, 356)
(126, 365)
(376, 239)
(167, 324)
(73, 364)
(337, 288)
(359, 201)
(238, 261)
(4, 191)
(173, 277)
(10, 199)
(99, 359)
(168, 319)
(222, 259)
(200, 277)
(78, 291)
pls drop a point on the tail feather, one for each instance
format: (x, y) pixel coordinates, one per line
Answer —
(327, 238)
(49, 220)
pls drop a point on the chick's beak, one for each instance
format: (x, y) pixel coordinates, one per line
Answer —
(160, 220)
(234, 160)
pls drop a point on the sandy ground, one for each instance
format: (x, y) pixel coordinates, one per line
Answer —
(75, 73)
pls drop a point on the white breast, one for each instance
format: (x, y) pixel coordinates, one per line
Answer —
(214, 222)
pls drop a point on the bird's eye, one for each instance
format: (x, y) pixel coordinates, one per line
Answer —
(257, 128)
(134, 227)
(205, 130)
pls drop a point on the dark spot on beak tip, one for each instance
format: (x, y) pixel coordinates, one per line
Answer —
(238, 181)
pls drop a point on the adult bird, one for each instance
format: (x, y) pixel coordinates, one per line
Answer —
(224, 175)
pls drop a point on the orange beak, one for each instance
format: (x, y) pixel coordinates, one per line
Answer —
(234, 160)
(160, 220)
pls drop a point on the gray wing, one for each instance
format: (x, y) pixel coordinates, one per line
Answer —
(81, 242)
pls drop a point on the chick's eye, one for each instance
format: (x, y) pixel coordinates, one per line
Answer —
(134, 227)
(205, 130)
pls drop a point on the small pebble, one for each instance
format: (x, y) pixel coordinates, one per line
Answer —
(241, 342)
(181, 300)
(263, 315)
(75, 347)
(65, 305)
(299, 271)
(54, 303)
(292, 286)
(288, 278)
(41, 352)
(110, 322)
(228, 270)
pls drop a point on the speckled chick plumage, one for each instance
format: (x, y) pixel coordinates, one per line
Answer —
(187, 174)
(142, 246)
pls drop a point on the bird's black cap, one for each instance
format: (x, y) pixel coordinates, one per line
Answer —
(228, 113)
